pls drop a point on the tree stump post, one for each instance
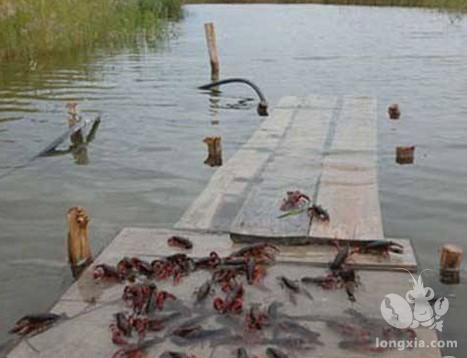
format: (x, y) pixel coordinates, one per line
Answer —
(394, 111)
(450, 263)
(212, 50)
(405, 155)
(214, 158)
(79, 250)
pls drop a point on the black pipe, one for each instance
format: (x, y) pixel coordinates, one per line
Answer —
(262, 108)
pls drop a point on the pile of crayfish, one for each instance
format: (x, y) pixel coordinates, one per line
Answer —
(339, 274)
(152, 310)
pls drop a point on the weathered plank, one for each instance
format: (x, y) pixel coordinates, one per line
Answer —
(296, 165)
(348, 187)
(90, 306)
(217, 205)
(153, 242)
(88, 334)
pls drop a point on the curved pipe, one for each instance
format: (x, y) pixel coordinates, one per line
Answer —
(262, 108)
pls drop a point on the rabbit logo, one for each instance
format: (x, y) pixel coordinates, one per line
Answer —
(398, 312)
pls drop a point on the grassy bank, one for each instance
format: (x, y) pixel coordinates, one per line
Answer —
(438, 4)
(31, 29)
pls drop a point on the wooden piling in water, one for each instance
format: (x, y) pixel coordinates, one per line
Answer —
(450, 263)
(214, 158)
(79, 250)
(212, 50)
(405, 155)
(394, 111)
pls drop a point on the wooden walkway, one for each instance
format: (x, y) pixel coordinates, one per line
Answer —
(91, 305)
(325, 147)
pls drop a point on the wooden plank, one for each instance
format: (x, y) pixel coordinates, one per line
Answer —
(217, 205)
(295, 165)
(87, 335)
(91, 306)
(348, 187)
(153, 242)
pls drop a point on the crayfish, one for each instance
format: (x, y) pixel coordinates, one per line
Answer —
(233, 301)
(254, 272)
(339, 275)
(136, 350)
(181, 242)
(208, 263)
(107, 272)
(383, 247)
(262, 252)
(318, 212)
(145, 297)
(34, 323)
(256, 318)
(170, 354)
(340, 258)
(175, 266)
(295, 199)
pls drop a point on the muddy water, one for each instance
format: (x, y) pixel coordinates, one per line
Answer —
(145, 165)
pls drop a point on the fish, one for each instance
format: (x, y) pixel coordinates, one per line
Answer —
(201, 335)
(203, 291)
(123, 323)
(241, 353)
(294, 288)
(340, 258)
(302, 331)
(181, 242)
(171, 354)
(275, 353)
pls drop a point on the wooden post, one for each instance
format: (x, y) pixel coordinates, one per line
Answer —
(72, 109)
(214, 158)
(79, 251)
(405, 155)
(394, 111)
(212, 49)
(450, 263)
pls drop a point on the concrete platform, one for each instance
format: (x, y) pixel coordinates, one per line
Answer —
(91, 305)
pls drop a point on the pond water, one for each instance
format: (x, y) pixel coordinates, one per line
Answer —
(146, 162)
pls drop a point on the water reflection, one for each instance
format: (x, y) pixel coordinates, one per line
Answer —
(79, 144)
(261, 109)
(214, 103)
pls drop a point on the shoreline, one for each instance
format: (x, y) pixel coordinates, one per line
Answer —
(443, 5)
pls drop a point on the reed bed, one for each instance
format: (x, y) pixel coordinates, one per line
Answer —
(30, 29)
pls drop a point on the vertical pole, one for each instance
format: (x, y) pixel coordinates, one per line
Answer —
(214, 158)
(79, 251)
(450, 263)
(405, 155)
(212, 49)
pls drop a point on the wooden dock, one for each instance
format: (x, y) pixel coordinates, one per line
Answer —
(325, 147)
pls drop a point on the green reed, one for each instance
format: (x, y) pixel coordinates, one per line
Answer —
(30, 29)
